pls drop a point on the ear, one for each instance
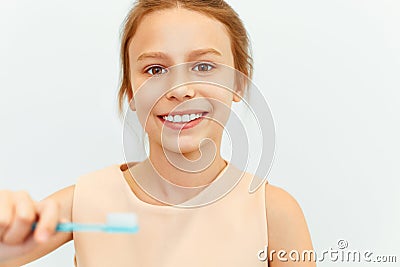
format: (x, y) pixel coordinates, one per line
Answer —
(240, 87)
(132, 104)
(131, 100)
(237, 97)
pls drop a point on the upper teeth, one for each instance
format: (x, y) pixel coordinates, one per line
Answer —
(182, 118)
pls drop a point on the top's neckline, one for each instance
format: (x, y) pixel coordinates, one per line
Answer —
(122, 168)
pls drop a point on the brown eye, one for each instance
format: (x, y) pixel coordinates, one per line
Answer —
(156, 70)
(203, 67)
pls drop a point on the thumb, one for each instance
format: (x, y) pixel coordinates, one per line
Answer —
(48, 215)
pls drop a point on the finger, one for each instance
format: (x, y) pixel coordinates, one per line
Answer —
(48, 212)
(6, 212)
(24, 216)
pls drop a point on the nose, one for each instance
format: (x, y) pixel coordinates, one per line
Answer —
(181, 93)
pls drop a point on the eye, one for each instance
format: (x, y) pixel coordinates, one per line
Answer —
(156, 70)
(203, 67)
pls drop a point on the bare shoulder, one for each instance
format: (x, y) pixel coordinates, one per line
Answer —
(287, 227)
(281, 204)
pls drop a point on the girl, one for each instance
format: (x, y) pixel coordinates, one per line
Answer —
(228, 231)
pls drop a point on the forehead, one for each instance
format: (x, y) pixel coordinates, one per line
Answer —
(179, 30)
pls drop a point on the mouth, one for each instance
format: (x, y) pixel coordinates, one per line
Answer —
(182, 120)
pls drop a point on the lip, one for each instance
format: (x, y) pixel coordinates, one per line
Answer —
(183, 112)
(182, 125)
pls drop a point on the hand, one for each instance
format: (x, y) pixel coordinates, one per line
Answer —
(17, 214)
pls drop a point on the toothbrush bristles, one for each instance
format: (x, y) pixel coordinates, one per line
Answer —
(122, 222)
(122, 219)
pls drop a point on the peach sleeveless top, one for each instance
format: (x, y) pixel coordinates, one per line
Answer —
(228, 232)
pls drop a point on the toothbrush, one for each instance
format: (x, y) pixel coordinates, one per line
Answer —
(116, 223)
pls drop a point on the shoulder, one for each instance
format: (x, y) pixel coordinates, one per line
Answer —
(99, 174)
(283, 210)
(280, 203)
(287, 227)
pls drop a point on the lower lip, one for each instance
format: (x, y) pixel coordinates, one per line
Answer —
(182, 125)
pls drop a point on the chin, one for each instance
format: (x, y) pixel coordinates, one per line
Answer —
(185, 145)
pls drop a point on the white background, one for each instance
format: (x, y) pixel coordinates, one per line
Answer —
(329, 70)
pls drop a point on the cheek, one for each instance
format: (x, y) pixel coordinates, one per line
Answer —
(137, 78)
(219, 94)
(221, 102)
(144, 107)
(136, 83)
(147, 94)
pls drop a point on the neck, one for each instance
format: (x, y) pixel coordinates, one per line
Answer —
(183, 178)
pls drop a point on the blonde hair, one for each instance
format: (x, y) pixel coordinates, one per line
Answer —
(217, 9)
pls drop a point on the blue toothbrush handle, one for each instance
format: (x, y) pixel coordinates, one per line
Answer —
(79, 227)
(65, 227)
(70, 227)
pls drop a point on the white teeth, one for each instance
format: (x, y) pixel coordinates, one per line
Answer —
(185, 118)
(177, 118)
(182, 118)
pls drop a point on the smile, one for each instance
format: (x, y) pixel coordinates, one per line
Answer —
(182, 121)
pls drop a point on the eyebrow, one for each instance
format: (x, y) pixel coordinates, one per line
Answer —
(202, 52)
(147, 55)
(192, 55)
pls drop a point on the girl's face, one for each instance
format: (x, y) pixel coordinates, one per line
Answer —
(167, 38)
